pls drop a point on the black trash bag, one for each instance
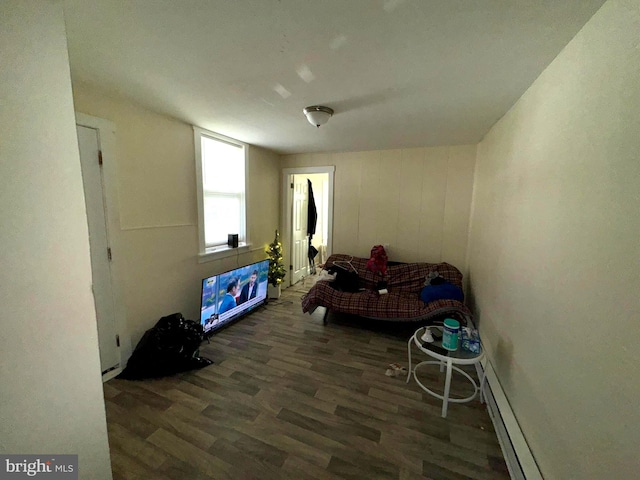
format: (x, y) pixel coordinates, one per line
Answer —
(346, 281)
(170, 347)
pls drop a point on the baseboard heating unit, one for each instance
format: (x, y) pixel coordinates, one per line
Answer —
(517, 455)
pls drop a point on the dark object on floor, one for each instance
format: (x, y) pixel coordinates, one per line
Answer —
(166, 349)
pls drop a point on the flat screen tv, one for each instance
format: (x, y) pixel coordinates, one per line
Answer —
(230, 295)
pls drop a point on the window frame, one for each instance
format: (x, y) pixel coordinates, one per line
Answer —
(205, 253)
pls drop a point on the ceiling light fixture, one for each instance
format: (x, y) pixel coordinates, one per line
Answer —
(318, 115)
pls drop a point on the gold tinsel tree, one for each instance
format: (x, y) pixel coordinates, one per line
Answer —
(276, 267)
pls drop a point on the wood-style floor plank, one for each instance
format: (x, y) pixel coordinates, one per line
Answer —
(289, 397)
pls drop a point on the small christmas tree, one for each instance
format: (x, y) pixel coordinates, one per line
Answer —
(276, 268)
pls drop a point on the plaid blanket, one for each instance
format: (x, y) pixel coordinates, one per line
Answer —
(402, 303)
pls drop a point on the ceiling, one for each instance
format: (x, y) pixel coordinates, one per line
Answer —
(398, 73)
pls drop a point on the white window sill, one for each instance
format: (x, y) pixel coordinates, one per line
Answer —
(223, 251)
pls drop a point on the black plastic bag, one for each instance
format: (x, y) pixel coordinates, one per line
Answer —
(346, 281)
(170, 347)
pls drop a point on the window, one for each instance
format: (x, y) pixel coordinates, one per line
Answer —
(220, 169)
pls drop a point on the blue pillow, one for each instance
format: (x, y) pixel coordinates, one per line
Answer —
(444, 291)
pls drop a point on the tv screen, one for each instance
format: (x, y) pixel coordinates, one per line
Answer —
(230, 295)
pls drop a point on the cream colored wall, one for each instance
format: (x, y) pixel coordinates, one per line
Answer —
(554, 252)
(158, 235)
(50, 384)
(415, 200)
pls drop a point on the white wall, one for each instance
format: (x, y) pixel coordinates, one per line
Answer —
(555, 249)
(50, 384)
(156, 188)
(416, 200)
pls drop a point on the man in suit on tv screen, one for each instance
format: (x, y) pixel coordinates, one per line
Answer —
(250, 289)
(229, 300)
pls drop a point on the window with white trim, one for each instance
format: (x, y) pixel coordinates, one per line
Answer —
(221, 177)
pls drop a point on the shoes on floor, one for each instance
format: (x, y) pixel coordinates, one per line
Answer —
(395, 369)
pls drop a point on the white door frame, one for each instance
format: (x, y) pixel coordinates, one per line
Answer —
(107, 140)
(287, 207)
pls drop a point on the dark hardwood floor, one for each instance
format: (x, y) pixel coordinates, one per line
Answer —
(291, 398)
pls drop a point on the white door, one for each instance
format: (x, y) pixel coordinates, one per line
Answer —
(90, 159)
(299, 238)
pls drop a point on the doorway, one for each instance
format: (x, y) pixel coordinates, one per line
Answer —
(95, 141)
(299, 184)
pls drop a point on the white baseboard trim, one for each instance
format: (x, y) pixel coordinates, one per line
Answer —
(517, 455)
(111, 374)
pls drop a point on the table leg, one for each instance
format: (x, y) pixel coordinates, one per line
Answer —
(482, 377)
(409, 354)
(447, 388)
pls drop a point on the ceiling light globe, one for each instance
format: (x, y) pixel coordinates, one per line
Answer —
(318, 115)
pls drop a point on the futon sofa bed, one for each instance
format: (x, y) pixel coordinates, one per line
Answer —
(404, 284)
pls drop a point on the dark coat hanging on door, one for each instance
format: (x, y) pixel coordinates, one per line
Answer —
(312, 213)
(312, 220)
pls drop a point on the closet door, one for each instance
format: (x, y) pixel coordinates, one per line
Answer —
(88, 141)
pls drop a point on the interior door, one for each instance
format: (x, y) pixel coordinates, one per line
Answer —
(90, 159)
(299, 238)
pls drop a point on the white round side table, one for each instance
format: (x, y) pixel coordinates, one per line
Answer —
(448, 359)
